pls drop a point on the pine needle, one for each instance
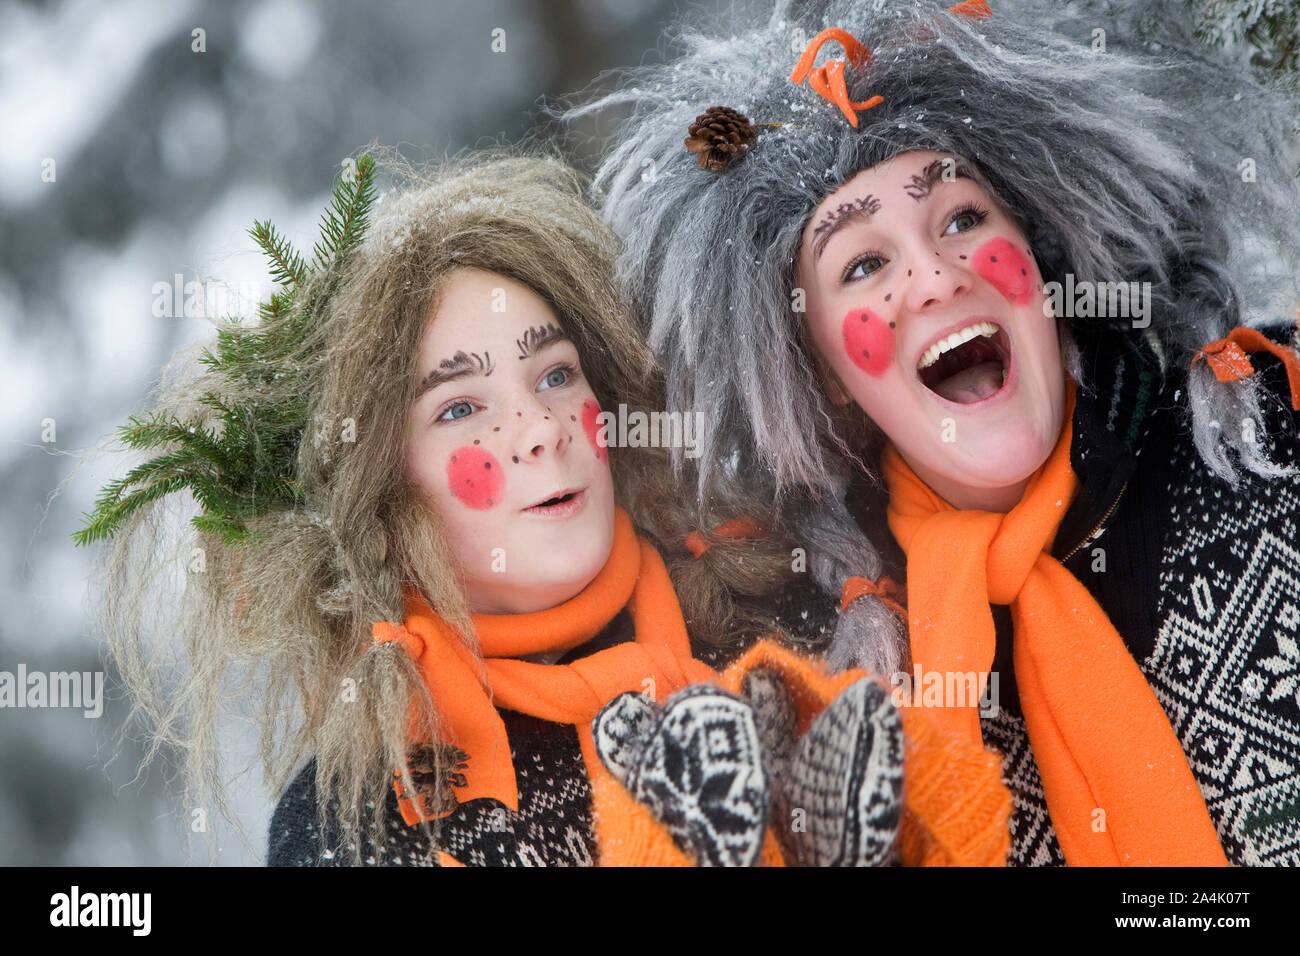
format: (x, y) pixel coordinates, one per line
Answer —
(246, 466)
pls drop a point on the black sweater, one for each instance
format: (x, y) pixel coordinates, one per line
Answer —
(1203, 585)
(553, 824)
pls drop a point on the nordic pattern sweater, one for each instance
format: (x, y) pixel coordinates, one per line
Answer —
(553, 824)
(1203, 584)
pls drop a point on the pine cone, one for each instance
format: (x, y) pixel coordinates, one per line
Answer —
(433, 793)
(719, 135)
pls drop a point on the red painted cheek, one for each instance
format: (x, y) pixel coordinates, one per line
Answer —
(869, 341)
(475, 477)
(1006, 267)
(591, 426)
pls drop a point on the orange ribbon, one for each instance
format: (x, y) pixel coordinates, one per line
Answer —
(828, 81)
(1228, 360)
(976, 9)
(742, 527)
(890, 594)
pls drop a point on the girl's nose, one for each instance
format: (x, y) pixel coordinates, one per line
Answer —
(934, 280)
(541, 433)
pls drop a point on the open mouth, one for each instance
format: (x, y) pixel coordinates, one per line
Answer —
(562, 503)
(968, 366)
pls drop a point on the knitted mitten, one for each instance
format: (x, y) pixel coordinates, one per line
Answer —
(958, 808)
(697, 765)
(838, 791)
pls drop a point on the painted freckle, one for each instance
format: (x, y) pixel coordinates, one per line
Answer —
(909, 271)
(888, 296)
(961, 257)
(476, 441)
(515, 459)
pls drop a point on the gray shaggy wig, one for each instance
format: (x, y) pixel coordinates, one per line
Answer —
(1119, 165)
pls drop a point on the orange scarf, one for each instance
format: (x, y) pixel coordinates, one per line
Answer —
(468, 693)
(956, 805)
(1117, 783)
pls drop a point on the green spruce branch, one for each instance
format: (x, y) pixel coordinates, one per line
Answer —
(346, 217)
(241, 461)
(287, 267)
(1271, 32)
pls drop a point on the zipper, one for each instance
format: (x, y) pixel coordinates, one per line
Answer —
(1097, 530)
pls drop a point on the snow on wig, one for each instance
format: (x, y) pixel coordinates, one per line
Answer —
(1119, 166)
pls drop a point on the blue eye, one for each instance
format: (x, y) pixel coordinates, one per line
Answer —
(449, 416)
(560, 375)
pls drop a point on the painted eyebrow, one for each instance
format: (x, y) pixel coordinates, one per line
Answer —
(918, 188)
(841, 216)
(458, 366)
(538, 337)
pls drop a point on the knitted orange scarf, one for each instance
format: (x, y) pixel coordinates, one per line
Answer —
(957, 807)
(468, 692)
(1117, 784)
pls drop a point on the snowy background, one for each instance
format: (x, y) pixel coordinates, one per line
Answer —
(128, 158)
(163, 157)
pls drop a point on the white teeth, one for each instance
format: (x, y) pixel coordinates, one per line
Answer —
(932, 354)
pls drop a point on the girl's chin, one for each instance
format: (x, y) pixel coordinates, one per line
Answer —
(525, 595)
(994, 452)
(993, 464)
(541, 575)
(1013, 453)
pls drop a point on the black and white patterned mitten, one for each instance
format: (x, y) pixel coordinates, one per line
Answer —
(838, 792)
(697, 764)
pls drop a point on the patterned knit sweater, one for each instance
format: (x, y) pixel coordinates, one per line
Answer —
(553, 824)
(1203, 584)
